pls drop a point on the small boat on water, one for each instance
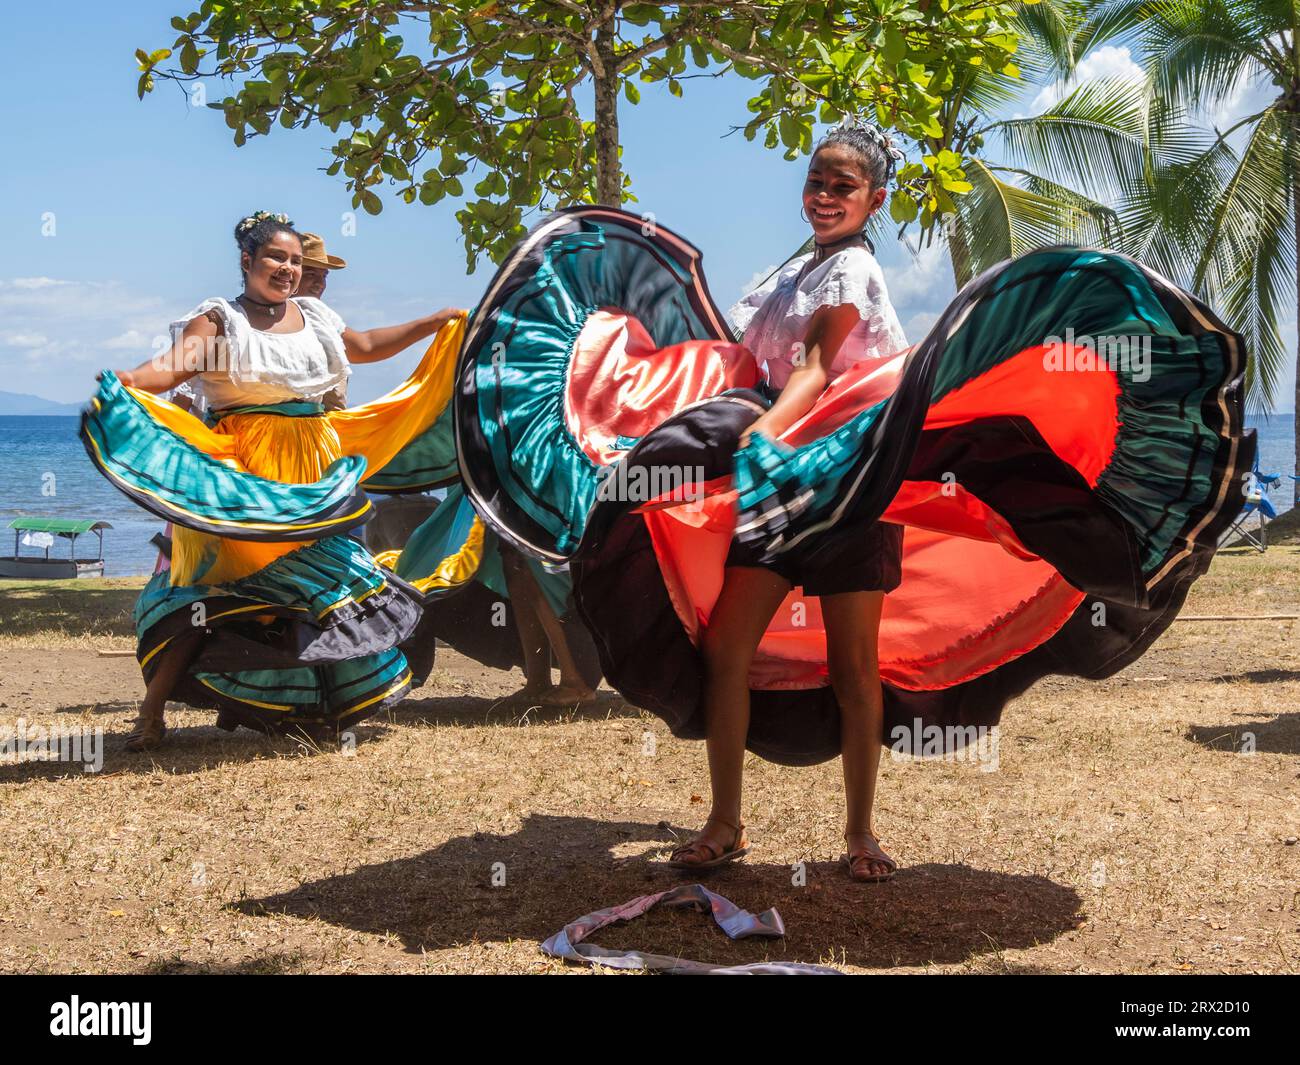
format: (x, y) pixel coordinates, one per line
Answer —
(41, 533)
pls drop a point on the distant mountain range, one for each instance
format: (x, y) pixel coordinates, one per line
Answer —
(17, 403)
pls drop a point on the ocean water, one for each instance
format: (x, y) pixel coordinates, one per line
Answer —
(44, 470)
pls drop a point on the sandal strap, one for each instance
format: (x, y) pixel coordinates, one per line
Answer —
(710, 850)
(737, 831)
(880, 859)
(873, 852)
(713, 850)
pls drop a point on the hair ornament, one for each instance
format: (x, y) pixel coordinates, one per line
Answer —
(879, 136)
(245, 224)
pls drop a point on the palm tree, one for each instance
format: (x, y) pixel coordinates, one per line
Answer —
(1011, 207)
(1236, 208)
(1104, 165)
(1104, 144)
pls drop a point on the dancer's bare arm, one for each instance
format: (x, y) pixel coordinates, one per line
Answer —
(189, 355)
(374, 345)
(827, 330)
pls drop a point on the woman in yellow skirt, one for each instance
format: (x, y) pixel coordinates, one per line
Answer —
(269, 613)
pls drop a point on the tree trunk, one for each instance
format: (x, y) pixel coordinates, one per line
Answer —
(609, 173)
(1295, 418)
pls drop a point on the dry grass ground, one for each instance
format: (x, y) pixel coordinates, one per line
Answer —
(1125, 829)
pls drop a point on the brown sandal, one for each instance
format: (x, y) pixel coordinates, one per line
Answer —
(860, 861)
(714, 855)
(147, 735)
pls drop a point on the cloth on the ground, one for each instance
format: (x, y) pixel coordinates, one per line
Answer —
(737, 923)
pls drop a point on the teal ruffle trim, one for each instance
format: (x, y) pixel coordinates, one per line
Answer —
(521, 398)
(329, 579)
(171, 478)
(1163, 465)
(328, 656)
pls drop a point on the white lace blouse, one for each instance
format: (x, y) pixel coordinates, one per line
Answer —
(260, 367)
(774, 317)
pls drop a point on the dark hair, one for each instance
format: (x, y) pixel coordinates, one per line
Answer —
(875, 150)
(257, 228)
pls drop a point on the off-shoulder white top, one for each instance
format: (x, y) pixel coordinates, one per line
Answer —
(260, 367)
(774, 317)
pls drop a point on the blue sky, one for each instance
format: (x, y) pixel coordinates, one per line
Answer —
(143, 197)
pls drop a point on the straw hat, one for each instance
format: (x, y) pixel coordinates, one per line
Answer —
(314, 254)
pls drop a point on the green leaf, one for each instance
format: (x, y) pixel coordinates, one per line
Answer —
(789, 131)
(895, 46)
(902, 208)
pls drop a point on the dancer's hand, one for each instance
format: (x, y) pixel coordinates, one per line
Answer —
(761, 424)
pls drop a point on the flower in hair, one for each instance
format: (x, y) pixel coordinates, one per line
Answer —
(249, 222)
(883, 139)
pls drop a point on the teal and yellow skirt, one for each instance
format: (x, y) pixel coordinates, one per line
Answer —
(303, 627)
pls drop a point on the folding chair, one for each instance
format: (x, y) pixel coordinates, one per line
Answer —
(1257, 502)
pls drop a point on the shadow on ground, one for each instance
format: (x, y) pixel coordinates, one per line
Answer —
(1278, 736)
(480, 710)
(192, 749)
(198, 748)
(556, 869)
(81, 608)
(1258, 676)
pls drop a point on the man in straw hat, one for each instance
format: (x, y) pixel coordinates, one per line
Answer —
(316, 266)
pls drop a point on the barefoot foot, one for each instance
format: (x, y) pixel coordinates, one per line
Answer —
(563, 695)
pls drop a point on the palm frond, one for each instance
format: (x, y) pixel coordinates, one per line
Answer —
(1197, 51)
(1246, 270)
(1048, 38)
(1094, 139)
(1165, 212)
(999, 219)
(1087, 221)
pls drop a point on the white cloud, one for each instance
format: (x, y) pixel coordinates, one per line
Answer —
(24, 340)
(926, 278)
(132, 338)
(1108, 61)
(919, 325)
(59, 332)
(759, 277)
(36, 282)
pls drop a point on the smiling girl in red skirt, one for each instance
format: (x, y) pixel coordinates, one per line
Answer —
(823, 312)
